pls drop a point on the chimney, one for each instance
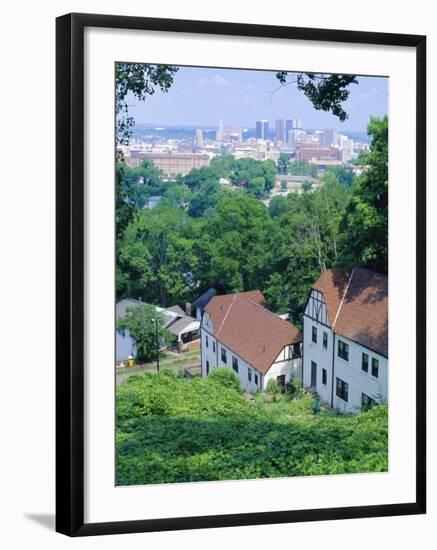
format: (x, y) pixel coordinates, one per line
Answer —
(188, 308)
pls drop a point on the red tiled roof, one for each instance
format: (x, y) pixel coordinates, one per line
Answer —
(250, 330)
(357, 304)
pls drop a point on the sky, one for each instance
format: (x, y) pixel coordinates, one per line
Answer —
(201, 96)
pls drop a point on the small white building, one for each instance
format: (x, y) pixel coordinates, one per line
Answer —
(345, 349)
(239, 333)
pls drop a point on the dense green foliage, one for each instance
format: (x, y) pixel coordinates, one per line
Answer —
(365, 226)
(146, 326)
(139, 80)
(204, 234)
(172, 430)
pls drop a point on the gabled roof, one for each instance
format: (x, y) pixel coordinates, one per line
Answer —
(357, 304)
(204, 298)
(251, 331)
(183, 323)
(122, 305)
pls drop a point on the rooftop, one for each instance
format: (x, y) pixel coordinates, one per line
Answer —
(357, 304)
(242, 323)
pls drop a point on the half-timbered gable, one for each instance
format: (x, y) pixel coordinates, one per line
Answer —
(345, 358)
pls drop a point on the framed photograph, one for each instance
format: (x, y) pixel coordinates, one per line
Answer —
(240, 274)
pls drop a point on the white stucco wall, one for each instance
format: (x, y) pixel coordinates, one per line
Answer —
(284, 365)
(211, 353)
(215, 360)
(320, 355)
(358, 380)
(350, 371)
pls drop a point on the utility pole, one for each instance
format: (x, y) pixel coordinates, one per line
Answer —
(156, 342)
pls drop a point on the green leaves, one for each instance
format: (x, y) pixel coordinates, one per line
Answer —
(172, 430)
(146, 326)
(140, 80)
(326, 92)
(365, 227)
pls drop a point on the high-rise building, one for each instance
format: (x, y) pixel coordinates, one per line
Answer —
(329, 138)
(346, 148)
(262, 129)
(293, 138)
(297, 123)
(288, 128)
(219, 133)
(280, 130)
(199, 138)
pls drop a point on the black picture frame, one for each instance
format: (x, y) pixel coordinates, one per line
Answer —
(70, 273)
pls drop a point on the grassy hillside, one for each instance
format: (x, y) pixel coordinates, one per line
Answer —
(177, 430)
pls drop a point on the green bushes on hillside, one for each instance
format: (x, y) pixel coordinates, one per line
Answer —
(177, 430)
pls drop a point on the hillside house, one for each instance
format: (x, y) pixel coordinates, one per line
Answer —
(239, 333)
(345, 349)
(186, 329)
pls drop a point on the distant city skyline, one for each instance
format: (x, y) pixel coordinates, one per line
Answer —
(202, 96)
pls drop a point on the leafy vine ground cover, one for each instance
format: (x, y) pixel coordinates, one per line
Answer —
(171, 429)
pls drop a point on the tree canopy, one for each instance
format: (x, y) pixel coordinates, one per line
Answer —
(146, 326)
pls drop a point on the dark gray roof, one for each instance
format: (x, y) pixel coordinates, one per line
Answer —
(177, 309)
(122, 305)
(202, 301)
(178, 326)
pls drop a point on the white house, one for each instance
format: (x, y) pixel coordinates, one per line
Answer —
(345, 341)
(239, 333)
(185, 329)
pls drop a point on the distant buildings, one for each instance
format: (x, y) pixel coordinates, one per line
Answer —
(173, 164)
(329, 138)
(198, 141)
(313, 152)
(219, 133)
(280, 130)
(262, 129)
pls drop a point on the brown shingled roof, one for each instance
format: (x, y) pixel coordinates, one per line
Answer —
(357, 304)
(250, 330)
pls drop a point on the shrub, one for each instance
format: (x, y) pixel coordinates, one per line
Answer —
(315, 406)
(273, 387)
(226, 378)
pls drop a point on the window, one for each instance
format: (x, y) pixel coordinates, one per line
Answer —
(324, 376)
(213, 346)
(325, 340)
(206, 341)
(367, 402)
(375, 367)
(207, 368)
(343, 350)
(249, 374)
(235, 363)
(224, 358)
(365, 363)
(342, 389)
(314, 335)
(256, 379)
(281, 380)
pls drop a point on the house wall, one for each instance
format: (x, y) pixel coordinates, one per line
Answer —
(284, 365)
(124, 346)
(349, 371)
(320, 355)
(215, 361)
(358, 380)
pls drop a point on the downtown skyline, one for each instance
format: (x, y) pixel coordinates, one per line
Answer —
(201, 96)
